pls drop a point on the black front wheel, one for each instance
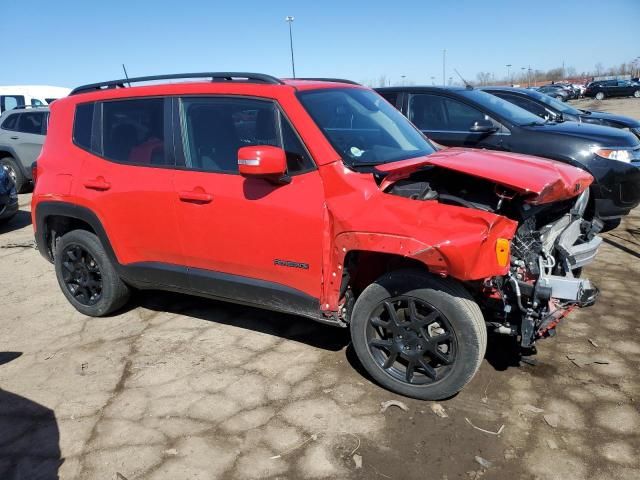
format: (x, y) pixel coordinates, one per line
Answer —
(418, 335)
(86, 276)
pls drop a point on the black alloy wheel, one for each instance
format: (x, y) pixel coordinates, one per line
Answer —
(81, 274)
(411, 340)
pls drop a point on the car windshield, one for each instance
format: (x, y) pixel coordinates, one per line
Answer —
(363, 127)
(553, 103)
(507, 110)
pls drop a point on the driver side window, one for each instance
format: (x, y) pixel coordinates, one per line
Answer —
(435, 113)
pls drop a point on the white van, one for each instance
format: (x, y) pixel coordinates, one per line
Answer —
(34, 95)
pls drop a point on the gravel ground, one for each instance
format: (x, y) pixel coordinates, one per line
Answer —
(177, 387)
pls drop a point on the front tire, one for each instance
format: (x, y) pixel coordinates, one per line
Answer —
(418, 335)
(636, 94)
(560, 98)
(600, 96)
(86, 276)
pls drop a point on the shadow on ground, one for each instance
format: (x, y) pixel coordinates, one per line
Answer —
(20, 220)
(288, 327)
(29, 436)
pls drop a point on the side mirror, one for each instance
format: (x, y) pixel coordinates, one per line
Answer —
(483, 126)
(263, 161)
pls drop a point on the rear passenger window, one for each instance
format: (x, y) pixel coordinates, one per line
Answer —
(10, 122)
(83, 125)
(32, 122)
(215, 128)
(133, 131)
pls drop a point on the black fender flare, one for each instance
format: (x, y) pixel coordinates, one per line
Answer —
(47, 209)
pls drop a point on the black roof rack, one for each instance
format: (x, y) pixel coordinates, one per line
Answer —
(321, 79)
(214, 76)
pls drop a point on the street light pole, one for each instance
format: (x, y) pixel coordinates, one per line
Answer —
(509, 73)
(444, 56)
(289, 20)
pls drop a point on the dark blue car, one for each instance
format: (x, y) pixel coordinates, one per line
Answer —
(8, 197)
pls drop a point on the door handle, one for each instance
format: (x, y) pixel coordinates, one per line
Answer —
(195, 196)
(14, 137)
(97, 184)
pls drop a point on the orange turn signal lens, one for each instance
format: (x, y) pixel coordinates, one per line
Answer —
(502, 252)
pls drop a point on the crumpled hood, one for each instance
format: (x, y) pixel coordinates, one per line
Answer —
(541, 180)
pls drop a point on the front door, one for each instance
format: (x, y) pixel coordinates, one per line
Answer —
(246, 238)
(448, 121)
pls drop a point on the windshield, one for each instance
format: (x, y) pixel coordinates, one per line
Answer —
(363, 127)
(507, 110)
(553, 103)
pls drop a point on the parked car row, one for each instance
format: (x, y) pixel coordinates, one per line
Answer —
(468, 117)
(612, 88)
(319, 198)
(551, 109)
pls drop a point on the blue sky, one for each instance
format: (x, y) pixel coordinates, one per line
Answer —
(70, 42)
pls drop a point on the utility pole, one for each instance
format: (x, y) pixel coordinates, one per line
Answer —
(444, 56)
(433, 80)
(509, 73)
(289, 20)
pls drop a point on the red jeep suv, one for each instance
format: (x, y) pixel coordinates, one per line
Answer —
(314, 197)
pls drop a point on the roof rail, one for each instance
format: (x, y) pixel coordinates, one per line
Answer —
(321, 79)
(23, 107)
(214, 76)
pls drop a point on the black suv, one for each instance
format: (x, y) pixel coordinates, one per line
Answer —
(467, 117)
(612, 88)
(549, 108)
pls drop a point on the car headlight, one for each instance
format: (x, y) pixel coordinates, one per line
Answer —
(621, 154)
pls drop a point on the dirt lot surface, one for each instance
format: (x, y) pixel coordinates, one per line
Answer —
(177, 387)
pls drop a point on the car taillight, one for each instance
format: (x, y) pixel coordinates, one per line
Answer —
(34, 172)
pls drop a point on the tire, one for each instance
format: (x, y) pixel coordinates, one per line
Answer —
(600, 96)
(457, 330)
(91, 283)
(636, 94)
(560, 98)
(608, 225)
(14, 171)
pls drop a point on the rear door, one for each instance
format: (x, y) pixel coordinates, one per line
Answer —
(28, 137)
(126, 178)
(246, 236)
(448, 121)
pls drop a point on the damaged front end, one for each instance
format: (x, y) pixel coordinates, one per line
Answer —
(544, 281)
(553, 241)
